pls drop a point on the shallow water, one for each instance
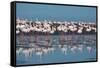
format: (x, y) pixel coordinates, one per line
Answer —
(77, 48)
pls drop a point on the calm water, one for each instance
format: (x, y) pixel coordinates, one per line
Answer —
(36, 49)
(55, 12)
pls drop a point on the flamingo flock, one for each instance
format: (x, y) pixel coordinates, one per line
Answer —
(27, 52)
(37, 51)
(51, 27)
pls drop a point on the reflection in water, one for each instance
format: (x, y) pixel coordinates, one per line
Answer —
(54, 49)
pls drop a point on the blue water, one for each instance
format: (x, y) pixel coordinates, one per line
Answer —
(58, 56)
(55, 12)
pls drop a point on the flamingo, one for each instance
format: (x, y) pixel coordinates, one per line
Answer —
(44, 30)
(52, 30)
(17, 31)
(80, 48)
(73, 29)
(64, 50)
(89, 49)
(35, 28)
(39, 53)
(70, 27)
(26, 53)
(22, 26)
(59, 28)
(64, 28)
(31, 28)
(73, 49)
(45, 50)
(88, 29)
(51, 49)
(19, 51)
(18, 26)
(26, 30)
(79, 31)
(33, 49)
(48, 29)
(38, 29)
(38, 48)
(59, 46)
(94, 29)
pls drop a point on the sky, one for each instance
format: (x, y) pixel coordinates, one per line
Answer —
(55, 12)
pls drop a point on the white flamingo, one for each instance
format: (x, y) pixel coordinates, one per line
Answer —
(59, 46)
(38, 48)
(26, 30)
(19, 51)
(45, 50)
(33, 49)
(17, 31)
(38, 29)
(64, 50)
(79, 30)
(88, 29)
(51, 49)
(59, 28)
(94, 29)
(89, 49)
(32, 28)
(18, 26)
(70, 27)
(48, 29)
(64, 28)
(73, 29)
(26, 53)
(22, 26)
(80, 48)
(52, 30)
(39, 53)
(73, 49)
